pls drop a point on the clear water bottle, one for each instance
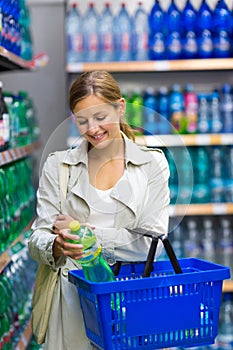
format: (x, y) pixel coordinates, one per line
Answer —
(208, 240)
(224, 248)
(192, 246)
(203, 121)
(140, 34)
(201, 166)
(90, 36)
(217, 175)
(94, 266)
(204, 30)
(150, 105)
(157, 47)
(215, 113)
(163, 110)
(226, 99)
(105, 34)
(173, 32)
(225, 328)
(229, 175)
(189, 36)
(222, 30)
(122, 35)
(74, 38)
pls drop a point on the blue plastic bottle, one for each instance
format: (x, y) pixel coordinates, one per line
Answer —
(122, 35)
(203, 120)
(150, 104)
(204, 30)
(90, 37)
(229, 175)
(176, 105)
(222, 30)
(74, 38)
(215, 113)
(163, 110)
(201, 166)
(189, 36)
(217, 175)
(105, 35)
(227, 108)
(157, 50)
(173, 32)
(140, 34)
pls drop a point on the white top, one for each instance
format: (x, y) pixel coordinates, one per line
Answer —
(102, 208)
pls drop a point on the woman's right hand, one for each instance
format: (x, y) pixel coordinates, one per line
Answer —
(62, 247)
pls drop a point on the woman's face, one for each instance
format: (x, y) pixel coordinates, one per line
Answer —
(98, 121)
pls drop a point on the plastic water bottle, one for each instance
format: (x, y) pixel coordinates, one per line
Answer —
(192, 245)
(229, 175)
(215, 113)
(189, 36)
(140, 34)
(204, 30)
(105, 35)
(203, 121)
(163, 110)
(208, 240)
(201, 166)
(90, 36)
(190, 109)
(176, 113)
(222, 30)
(217, 175)
(225, 328)
(156, 18)
(150, 104)
(226, 100)
(173, 33)
(74, 38)
(122, 35)
(94, 266)
(136, 119)
(224, 248)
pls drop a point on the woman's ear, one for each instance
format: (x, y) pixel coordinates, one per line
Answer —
(122, 107)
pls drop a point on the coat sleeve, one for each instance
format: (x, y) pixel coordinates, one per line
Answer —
(124, 244)
(48, 207)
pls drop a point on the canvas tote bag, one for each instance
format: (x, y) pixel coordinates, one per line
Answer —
(46, 278)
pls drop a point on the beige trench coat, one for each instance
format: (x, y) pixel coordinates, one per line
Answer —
(142, 202)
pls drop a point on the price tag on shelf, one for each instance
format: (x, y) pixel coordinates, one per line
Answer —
(162, 66)
(219, 208)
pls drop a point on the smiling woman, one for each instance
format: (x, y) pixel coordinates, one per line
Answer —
(115, 186)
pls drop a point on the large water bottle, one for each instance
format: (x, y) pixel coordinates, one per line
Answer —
(222, 30)
(192, 246)
(215, 113)
(94, 266)
(227, 108)
(217, 175)
(201, 165)
(229, 175)
(189, 36)
(208, 240)
(204, 30)
(140, 34)
(150, 104)
(157, 48)
(74, 38)
(163, 110)
(122, 35)
(90, 37)
(203, 121)
(225, 243)
(105, 35)
(225, 328)
(173, 32)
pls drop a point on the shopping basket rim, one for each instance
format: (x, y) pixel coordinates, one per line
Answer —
(195, 271)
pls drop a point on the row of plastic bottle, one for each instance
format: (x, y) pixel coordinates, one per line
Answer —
(15, 31)
(16, 285)
(200, 174)
(18, 122)
(160, 34)
(17, 204)
(190, 32)
(182, 110)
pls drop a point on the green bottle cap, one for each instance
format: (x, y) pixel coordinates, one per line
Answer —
(74, 225)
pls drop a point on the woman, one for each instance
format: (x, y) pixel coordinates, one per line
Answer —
(115, 186)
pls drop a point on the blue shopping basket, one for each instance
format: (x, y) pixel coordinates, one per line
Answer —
(176, 305)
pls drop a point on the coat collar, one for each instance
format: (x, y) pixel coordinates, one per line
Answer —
(133, 153)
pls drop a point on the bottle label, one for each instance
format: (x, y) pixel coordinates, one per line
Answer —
(126, 42)
(90, 254)
(93, 42)
(75, 43)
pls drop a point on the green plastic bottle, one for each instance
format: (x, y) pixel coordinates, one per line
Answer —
(94, 266)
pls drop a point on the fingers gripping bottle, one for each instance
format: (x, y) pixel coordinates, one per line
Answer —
(95, 268)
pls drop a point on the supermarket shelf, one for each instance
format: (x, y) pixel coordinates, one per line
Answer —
(185, 140)
(13, 154)
(153, 66)
(25, 338)
(201, 209)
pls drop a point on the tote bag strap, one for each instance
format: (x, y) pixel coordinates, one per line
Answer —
(63, 182)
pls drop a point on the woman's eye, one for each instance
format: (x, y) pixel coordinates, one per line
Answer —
(99, 119)
(83, 122)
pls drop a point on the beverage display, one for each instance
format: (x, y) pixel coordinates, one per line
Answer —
(74, 39)
(94, 266)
